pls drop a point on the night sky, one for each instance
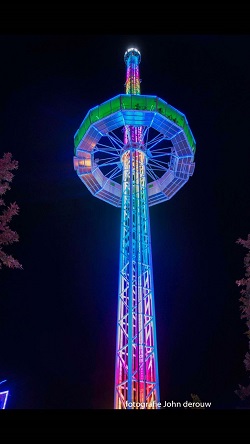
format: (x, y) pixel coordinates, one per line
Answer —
(58, 314)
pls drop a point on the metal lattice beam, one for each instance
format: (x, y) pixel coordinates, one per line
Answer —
(136, 379)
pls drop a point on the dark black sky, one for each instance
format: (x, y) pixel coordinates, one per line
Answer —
(58, 315)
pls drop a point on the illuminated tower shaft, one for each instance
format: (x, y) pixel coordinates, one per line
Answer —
(136, 365)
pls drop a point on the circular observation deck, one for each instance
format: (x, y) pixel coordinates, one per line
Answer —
(166, 139)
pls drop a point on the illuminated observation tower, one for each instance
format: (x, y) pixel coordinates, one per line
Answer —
(134, 151)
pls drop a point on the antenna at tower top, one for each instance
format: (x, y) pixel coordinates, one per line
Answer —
(132, 52)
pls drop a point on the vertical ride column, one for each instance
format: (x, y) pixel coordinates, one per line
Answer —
(136, 364)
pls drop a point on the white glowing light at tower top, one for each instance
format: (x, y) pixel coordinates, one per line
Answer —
(134, 52)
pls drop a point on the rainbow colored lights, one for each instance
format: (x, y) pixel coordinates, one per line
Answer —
(136, 372)
(132, 58)
(136, 367)
(133, 152)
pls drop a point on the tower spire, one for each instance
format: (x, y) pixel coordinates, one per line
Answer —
(132, 58)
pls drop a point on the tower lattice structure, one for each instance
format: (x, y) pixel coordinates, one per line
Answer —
(135, 151)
